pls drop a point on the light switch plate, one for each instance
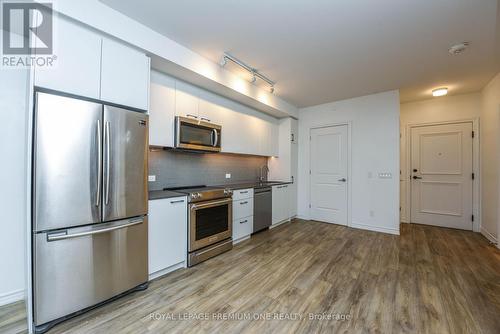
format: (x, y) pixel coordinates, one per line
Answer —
(228, 175)
(151, 178)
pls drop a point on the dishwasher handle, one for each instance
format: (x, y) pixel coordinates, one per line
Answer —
(262, 191)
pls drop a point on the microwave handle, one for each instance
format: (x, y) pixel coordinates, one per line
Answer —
(215, 137)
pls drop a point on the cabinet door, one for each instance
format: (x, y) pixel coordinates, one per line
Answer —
(124, 75)
(277, 204)
(292, 196)
(287, 207)
(210, 109)
(162, 111)
(186, 100)
(294, 131)
(242, 227)
(77, 69)
(167, 232)
(237, 132)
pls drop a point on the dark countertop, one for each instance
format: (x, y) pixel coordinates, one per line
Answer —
(160, 194)
(256, 184)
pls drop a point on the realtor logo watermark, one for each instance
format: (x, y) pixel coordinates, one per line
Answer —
(27, 34)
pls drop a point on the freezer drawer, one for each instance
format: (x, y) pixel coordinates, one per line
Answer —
(80, 267)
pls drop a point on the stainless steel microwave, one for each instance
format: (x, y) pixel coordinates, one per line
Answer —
(196, 135)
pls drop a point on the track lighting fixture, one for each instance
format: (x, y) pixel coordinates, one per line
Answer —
(254, 72)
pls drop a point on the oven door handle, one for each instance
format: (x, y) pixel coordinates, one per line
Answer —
(209, 204)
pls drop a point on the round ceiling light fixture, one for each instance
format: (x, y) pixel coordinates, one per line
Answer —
(458, 48)
(439, 92)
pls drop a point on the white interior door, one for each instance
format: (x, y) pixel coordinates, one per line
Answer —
(441, 175)
(329, 174)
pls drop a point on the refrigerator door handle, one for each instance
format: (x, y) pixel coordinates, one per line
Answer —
(107, 136)
(99, 164)
(63, 235)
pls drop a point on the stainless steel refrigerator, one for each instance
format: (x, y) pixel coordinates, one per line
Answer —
(90, 239)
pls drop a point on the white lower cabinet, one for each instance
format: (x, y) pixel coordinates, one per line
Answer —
(282, 209)
(242, 214)
(167, 235)
(242, 228)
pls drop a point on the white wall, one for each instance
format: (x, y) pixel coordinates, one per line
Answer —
(490, 146)
(375, 149)
(13, 90)
(442, 109)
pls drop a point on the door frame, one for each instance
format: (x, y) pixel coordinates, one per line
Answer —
(349, 172)
(476, 186)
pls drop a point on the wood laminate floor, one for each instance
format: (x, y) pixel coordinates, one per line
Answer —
(13, 318)
(428, 280)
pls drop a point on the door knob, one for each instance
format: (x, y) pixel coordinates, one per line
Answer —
(342, 179)
(417, 177)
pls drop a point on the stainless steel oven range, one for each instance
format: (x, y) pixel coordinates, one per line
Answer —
(210, 225)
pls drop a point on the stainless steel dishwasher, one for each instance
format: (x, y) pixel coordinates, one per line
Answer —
(262, 209)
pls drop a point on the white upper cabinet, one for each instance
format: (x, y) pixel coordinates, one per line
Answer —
(124, 75)
(77, 69)
(244, 130)
(187, 100)
(161, 110)
(91, 66)
(210, 109)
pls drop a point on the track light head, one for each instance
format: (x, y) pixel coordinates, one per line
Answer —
(223, 61)
(254, 78)
(272, 89)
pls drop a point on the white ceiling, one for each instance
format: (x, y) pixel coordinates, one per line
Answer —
(327, 50)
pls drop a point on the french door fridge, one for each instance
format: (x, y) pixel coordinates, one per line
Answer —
(89, 205)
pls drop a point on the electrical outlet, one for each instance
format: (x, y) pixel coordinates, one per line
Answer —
(151, 178)
(228, 175)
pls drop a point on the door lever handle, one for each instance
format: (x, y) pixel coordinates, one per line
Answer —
(342, 179)
(417, 177)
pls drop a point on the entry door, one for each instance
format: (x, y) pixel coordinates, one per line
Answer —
(329, 174)
(441, 175)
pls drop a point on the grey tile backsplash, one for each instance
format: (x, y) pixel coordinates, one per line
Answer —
(177, 168)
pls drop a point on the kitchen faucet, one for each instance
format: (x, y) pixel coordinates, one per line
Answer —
(263, 169)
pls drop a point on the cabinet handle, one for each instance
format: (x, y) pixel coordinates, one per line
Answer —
(244, 221)
(293, 137)
(243, 192)
(189, 115)
(179, 201)
(244, 202)
(205, 119)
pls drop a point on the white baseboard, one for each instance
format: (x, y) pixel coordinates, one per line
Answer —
(375, 228)
(167, 270)
(489, 236)
(278, 224)
(11, 297)
(240, 240)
